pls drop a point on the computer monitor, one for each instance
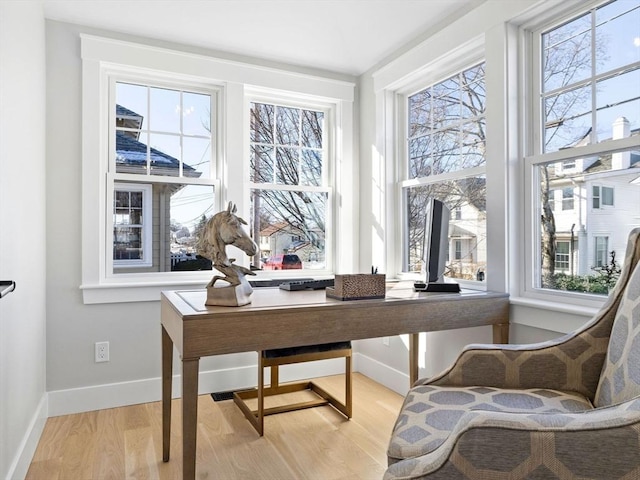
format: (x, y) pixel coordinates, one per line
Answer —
(435, 248)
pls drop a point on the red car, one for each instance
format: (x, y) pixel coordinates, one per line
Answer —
(283, 262)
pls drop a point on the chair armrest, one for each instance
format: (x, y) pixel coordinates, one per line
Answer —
(570, 363)
(592, 444)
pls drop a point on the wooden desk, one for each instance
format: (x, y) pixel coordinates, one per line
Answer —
(278, 318)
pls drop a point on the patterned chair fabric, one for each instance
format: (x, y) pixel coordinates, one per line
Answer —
(567, 408)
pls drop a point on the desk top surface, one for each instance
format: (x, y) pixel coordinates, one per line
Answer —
(192, 302)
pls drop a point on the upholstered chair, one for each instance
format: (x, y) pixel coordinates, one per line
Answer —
(567, 408)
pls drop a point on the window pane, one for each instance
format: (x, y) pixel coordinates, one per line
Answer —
(614, 100)
(567, 54)
(420, 157)
(289, 152)
(568, 119)
(131, 106)
(159, 147)
(165, 153)
(290, 223)
(571, 82)
(446, 151)
(446, 125)
(171, 220)
(615, 50)
(473, 144)
(287, 126)
(581, 225)
(191, 206)
(262, 164)
(420, 113)
(467, 230)
(473, 92)
(262, 123)
(311, 171)
(196, 114)
(287, 166)
(196, 157)
(164, 111)
(127, 243)
(312, 127)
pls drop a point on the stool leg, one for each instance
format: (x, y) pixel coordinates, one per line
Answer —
(260, 426)
(348, 386)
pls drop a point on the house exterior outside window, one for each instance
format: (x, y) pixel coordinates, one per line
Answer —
(585, 116)
(445, 159)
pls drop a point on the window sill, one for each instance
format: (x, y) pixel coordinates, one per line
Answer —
(551, 322)
(138, 292)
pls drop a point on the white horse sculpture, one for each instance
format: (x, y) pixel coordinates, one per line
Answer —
(225, 228)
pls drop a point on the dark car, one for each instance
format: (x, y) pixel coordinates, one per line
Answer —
(283, 262)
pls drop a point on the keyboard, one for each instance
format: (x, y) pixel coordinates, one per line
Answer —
(295, 285)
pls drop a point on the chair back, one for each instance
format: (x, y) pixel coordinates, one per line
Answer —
(620, 378)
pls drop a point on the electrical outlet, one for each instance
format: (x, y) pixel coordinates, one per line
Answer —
(102, 352)
(385, 341)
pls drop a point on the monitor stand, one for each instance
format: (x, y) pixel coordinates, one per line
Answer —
(439, 287)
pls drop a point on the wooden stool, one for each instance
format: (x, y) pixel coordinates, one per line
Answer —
(285, 356)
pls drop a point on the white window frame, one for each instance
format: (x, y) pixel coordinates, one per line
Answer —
(102, 57)
(146, 227)
(529, 38)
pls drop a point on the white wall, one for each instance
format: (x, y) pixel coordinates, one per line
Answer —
(22, 234)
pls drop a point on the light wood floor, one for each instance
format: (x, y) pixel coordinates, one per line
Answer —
(317, 443)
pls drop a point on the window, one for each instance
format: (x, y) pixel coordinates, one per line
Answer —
(165, 146)
(445, 159)
(602, 196)
(562, 256)
(601, 251)
(132, 230)
(290, 181)
(586, 123)
(567, 198)
(458, 249)
(163, 137)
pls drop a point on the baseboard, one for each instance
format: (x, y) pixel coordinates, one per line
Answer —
(98, 397)
(383, 374)
(20, 466)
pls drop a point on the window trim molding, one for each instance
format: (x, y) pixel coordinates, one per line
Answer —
(100, 55)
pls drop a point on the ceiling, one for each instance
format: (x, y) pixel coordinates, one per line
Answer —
(344, 36)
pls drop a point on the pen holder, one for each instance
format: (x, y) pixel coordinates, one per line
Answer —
(358, 286)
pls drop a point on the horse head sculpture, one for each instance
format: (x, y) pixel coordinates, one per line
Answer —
(226, 228)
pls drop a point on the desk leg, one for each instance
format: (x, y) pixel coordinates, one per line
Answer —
(189, 416)
(414, 348)
(501, 333)
(167, 374)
